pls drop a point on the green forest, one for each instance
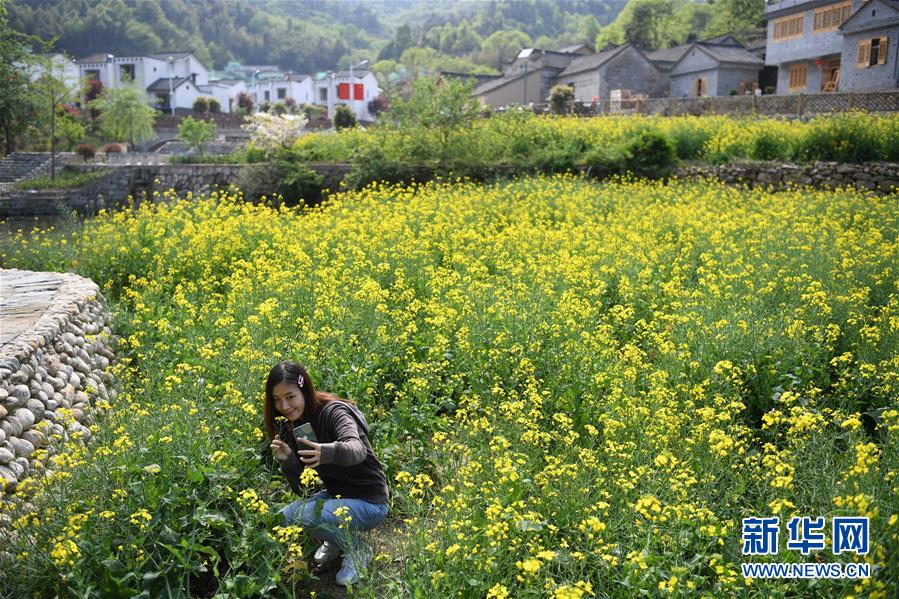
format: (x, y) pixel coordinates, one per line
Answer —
(396, 35)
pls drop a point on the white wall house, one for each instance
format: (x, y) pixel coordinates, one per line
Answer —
(337, 88)
(178, 73)
(296, 87)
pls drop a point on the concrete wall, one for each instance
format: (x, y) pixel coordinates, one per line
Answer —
(514, 92)
(882, 76)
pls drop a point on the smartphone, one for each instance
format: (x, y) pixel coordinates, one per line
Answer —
(304, 431)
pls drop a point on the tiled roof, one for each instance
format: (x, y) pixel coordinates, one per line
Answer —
(162, 85)
(165, 56)
(668, 54)
(98, 57)
(730, 54)
(591, 61)
(489, 86)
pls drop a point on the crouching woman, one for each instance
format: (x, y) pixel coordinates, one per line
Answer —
(354, 480)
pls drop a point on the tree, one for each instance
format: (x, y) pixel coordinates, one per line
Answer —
(53, 91)
(125, 114)
(502, 46)
(17, 102)
(438, 104)
(648, 20)
(196, 133)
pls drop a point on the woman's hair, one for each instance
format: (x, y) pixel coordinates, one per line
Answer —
(289, 371)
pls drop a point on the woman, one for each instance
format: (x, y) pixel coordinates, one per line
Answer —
(342, 457)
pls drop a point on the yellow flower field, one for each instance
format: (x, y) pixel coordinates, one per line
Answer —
(577, 389)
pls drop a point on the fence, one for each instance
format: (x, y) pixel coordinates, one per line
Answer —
(791, 105)
(135, 158)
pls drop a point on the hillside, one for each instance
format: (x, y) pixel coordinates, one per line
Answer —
(305, 35)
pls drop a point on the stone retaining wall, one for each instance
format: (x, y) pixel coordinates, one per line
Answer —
(879, 177)
(53, 371)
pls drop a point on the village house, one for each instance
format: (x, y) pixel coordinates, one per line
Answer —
(825, 46)
(709, 68)
(594, 77)
(714, 69)
(170, 80)
(336, 88)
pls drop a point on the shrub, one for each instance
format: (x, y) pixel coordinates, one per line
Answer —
(378, 105)
(343, 117)
(769, 89)
(279, 108)
(245, 101)
(560, 97)
(768, 146)
(842, 138)
(214, 106)
(86, 151)
(196, 133)
(201, 105)
(650, 154)
(291, 105)
(283, 176)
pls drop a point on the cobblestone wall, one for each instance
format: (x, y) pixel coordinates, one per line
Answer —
(880, 177)
(56, 349)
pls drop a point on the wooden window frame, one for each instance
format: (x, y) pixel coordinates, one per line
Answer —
(794, 75)
(865, 55)
(785, 23)
(823, 20)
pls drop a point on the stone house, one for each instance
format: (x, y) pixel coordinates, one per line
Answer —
(528, 78)
(871, 47)
(625, 67)
(707, 69)
(832, 45)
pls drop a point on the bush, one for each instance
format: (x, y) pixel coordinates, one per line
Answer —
(343, 117)
(284, 176)
(842, 138)
(196, 133)
(650, 154)
(86, 151)
(279, 108)
(769, 89)
(768, 146)
(378, 105)
(214, 106)
(245, 101)
(201, 105)
(560, 97)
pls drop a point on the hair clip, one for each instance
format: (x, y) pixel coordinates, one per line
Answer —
(300, 381)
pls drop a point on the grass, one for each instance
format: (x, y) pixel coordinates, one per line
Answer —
(65, 179)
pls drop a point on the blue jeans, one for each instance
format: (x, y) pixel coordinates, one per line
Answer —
(325, 525)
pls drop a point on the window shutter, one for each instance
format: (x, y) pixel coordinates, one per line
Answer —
(343, 91)
(882, 51)
(358, 91)
(864, 53)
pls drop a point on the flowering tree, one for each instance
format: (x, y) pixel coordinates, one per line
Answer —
(271, 132)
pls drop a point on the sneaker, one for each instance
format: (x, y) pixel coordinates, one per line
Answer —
(351, 569)
(326, 553)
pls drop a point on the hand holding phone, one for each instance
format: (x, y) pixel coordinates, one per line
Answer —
(307, 445)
